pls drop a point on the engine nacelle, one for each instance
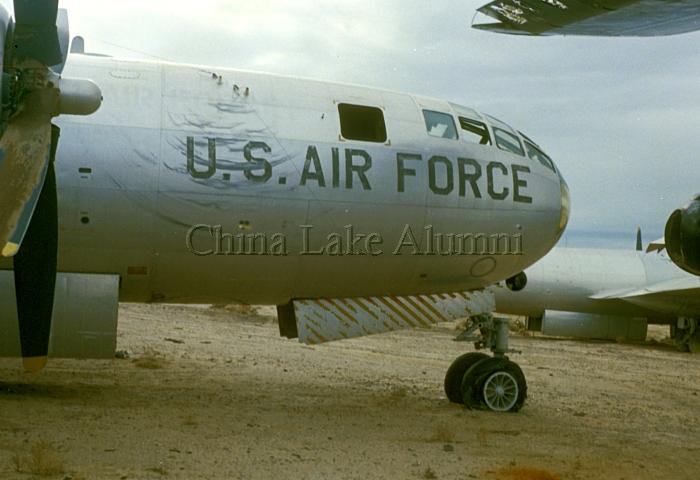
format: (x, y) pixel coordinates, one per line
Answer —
(588, 325)
(682, 236)
(84, 317)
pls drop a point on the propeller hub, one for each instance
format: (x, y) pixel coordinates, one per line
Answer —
(78, 97)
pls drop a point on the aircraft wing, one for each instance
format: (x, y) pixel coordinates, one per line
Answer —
(607, 18)
(656, 245)
(680, 296)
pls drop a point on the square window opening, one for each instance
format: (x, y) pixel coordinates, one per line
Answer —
(359, 122)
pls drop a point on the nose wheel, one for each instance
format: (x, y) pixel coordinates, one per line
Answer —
(455, 374)
(494, 383)
(482, 382)
(501, 391)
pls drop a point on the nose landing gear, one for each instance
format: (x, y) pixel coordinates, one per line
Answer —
(482, 382)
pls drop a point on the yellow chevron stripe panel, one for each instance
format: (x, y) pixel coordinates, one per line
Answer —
(326, 319)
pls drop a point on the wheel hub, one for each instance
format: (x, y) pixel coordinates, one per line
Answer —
(500, 391)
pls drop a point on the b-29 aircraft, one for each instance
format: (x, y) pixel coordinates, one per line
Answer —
(354, 210)
(608, 293)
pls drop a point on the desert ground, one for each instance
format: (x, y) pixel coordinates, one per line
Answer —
(215, 393)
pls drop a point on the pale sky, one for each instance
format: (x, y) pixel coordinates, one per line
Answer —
(618, 116)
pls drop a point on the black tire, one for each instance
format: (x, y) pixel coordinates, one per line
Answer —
(455, 374)
(694, 343)
(680, 339)
(476, 376)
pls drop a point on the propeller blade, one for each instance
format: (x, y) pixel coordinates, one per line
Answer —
(24, 157)
(37, 48)
(63, 38)
(35, 272)
(36, 34)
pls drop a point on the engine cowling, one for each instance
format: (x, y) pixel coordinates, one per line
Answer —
(589, 325)
(682, 236)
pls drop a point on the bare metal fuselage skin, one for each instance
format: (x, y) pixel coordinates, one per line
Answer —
(569, 279)
(266, 157)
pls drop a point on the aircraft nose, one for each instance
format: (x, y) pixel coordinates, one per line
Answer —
(565, 208)
(557, 205)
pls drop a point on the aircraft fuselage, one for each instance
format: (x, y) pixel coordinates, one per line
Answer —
(209, 185)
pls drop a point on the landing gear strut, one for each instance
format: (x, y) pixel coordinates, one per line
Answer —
(482, 382)
(686, 333)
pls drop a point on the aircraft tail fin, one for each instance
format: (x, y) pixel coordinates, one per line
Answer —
(639, 239)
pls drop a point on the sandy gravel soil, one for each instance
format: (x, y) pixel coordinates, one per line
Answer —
(215, 393)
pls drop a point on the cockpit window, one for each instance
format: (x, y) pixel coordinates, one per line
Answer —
(441, 125)
(475, 131)
(359, 122)
(506, 138)
(536, 154)
(508, 141)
